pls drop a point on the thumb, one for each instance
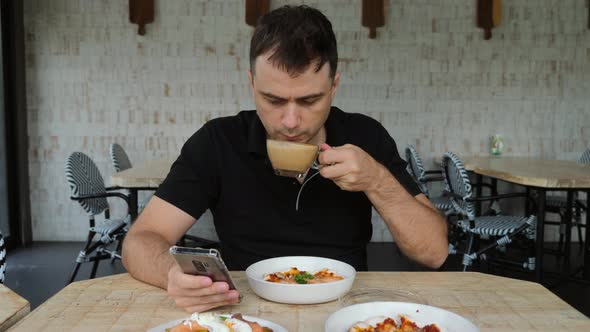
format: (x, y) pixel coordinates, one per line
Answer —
(325, 147)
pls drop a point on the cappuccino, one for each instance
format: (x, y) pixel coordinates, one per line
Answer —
(289, 158)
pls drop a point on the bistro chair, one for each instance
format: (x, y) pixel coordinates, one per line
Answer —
(119, 159)
(499, 229)
(2, 258)
(443, 203)
(120, 162)
(558, 204)
(88, 189)
(423, 177)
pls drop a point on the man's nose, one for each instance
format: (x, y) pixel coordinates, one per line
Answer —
(291, 116)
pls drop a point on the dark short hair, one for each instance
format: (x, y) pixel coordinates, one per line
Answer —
(298, 36)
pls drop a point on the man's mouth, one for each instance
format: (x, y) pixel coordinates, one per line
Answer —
(292, 138)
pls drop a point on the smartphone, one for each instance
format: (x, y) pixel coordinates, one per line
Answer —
(202, 262)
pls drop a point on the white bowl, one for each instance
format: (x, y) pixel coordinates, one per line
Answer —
(343, 319)
(300, 293)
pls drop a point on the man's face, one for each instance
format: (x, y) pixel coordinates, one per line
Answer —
(292, 108)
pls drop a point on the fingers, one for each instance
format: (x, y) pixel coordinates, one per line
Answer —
(179, 283)
(351, 168)
(197, 300)
(198, 293)
(228, 297)
(186, 281)
(215, 288)
(339, 161)
(334, 171)
(341, 177)
(333, 155)
(207, 306)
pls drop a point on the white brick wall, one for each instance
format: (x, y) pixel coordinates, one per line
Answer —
(429, 77)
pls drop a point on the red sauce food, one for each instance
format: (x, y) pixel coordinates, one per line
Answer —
(387, 324)
(296, 276)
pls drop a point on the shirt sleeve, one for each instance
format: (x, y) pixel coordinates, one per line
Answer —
(390, 158)
(192, 183)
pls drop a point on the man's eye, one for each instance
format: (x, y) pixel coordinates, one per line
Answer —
(308, 102)
(275, 101)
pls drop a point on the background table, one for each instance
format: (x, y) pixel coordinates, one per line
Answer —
(12, 307)
(120, 303)
(532, 172)
(540, 176)
(149, 174)
(145, 176)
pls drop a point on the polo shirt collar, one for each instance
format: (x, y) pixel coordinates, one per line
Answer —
(335, 130)
(257, 137)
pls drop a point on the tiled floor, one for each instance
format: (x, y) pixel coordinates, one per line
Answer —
(39, 271)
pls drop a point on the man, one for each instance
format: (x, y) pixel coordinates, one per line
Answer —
(224, 167)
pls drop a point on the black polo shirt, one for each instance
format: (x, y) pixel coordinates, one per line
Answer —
(224, 167)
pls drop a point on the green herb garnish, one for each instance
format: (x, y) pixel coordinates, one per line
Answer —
(302, 277)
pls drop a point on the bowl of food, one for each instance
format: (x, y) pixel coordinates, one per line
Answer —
(393, 316)
(300, 279)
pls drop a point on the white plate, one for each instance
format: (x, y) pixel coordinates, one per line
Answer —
(296, 293)
(262, 322)
(343, 319)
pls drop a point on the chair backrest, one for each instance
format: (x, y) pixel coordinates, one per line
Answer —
(2, 258)
(84, 179)
(457, 184)
(119, 158)
(585, 157)
(416, 168)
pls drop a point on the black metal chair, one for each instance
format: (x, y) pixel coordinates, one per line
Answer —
(500, 229)
(423, 177)
(558, 204)
(88, 189)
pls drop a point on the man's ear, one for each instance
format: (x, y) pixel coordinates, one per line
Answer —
(335, 83)
(251, 79)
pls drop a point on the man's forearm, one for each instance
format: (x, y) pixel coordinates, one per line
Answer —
(419, 230)
(146, 258)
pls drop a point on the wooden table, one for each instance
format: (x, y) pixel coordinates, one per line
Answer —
(146, 176)
(120, 303)
(541, 176)
(149, 174)
(532, 172)
(12, 307)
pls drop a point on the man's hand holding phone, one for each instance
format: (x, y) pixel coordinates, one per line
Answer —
(200, 280)
(196, 293)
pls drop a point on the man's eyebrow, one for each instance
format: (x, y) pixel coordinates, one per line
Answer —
(311, 96)
(271, 96)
